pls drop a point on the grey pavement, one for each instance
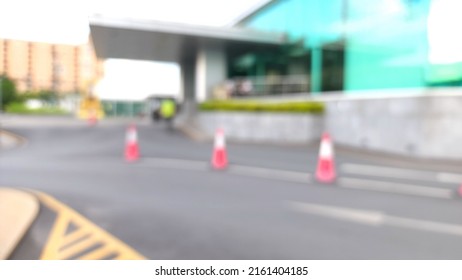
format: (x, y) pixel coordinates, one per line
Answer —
(171, 205)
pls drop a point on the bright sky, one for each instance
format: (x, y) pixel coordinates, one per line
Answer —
(444, 22)
(64, 21)
(135, 80)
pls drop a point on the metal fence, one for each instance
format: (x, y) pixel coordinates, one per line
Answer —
(264, 85)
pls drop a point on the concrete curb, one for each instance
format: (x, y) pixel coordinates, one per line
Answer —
(397, 160)
(19, 210)
(192, 132)
(9, 140)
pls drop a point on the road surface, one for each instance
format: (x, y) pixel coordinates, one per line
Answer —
(267, 205)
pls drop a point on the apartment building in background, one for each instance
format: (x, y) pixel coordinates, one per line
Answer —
(36, 66)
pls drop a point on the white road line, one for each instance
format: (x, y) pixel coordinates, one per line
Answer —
(423, 225)
(180, 164)
(450, 178)
(301, 177)
(371, 218)
(390, 172)
(374, 218)
(373, 185)
(291, 176)
(401, 173)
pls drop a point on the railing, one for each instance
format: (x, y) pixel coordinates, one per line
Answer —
(261, 86)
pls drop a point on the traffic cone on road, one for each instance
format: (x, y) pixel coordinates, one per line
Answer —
(325, 172)
(219, 156)
(131, 144)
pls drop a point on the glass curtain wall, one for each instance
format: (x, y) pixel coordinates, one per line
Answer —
(350, 45)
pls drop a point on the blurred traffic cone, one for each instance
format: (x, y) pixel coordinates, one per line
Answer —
(325, 172)
(92, 120)
(219, 156)
(131, 144)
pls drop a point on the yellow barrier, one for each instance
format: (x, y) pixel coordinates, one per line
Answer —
(90, 107)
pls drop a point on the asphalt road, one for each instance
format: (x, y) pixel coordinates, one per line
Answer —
(267, 205)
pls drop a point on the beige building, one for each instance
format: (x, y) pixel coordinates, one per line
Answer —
(41, 66)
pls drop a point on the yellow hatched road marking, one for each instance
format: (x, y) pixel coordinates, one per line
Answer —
(55, 237)
(98, 254)
(62, 246)
(74, 236)
(119, 257)
(80, 246)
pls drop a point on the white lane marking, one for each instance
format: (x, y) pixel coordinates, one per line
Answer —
(259, 172)
(374, 218)
(401, 173)
(371, 218)
(373, 185)
(391, 172)
(450, 178)
(301, 177)
(180, 164)
(438, 227)
(292, 176)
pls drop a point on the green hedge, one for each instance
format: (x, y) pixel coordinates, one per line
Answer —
(8, 91)
(255, 106)
(20, 108)
(46, 96)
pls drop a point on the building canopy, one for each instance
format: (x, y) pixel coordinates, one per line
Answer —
(160, 41)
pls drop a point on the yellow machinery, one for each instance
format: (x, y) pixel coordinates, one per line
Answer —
(90, 106)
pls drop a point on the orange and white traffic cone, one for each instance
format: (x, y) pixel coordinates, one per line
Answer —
(131, 145)
(325, 172)
(219, 156)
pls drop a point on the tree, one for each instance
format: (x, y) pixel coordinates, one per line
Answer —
(8, 91)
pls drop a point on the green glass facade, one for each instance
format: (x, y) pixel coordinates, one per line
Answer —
(348, 45)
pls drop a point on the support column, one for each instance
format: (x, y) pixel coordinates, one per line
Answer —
(211, 70)
(316, 70)
(188, 87)
(199, 75)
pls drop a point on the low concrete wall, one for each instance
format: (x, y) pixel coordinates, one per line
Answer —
(425, 126)
(263, 127)
(425, 123)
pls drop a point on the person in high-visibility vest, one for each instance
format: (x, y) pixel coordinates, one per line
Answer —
(168, 110)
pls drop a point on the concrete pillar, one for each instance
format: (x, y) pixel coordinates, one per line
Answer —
(199, 75)
(316, 70)
(211, 70)
(188, 88)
